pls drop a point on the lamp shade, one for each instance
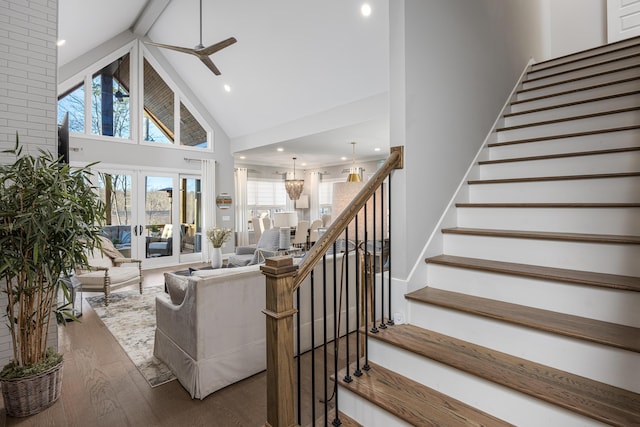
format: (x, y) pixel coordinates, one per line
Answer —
(343, 195)
(303, 202)
(285, 219)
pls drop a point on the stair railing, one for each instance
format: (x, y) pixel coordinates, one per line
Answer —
(283, 279)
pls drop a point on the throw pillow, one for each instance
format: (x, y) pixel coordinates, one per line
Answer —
(245, 250)
(177, 287)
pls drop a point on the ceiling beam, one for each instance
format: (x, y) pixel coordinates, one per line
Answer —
(148, 17)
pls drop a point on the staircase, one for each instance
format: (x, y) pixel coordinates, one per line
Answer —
(531, 316)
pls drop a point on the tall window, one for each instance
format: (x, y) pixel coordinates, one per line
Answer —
(110, 113)
(325, 195)
(265, 196)
(166, 116)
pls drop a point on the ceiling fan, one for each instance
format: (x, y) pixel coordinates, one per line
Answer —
(200, 50)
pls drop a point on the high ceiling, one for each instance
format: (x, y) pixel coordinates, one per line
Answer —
(306, 76)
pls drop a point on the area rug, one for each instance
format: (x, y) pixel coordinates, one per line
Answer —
(131, 319)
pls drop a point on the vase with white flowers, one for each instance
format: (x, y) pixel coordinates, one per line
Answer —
(217, 236)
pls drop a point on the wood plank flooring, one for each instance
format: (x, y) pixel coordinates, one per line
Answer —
(102, 387)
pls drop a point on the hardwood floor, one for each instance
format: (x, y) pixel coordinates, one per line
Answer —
(102, 387)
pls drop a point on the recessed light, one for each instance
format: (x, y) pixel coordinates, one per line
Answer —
(227, 88)
(279, 149)
(303, 164)
(376, 149)
(243, 157)
(365, 9)
(343, 158)
(61, 42)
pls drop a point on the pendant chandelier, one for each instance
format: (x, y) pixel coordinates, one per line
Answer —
(294, 186)
(354, 172)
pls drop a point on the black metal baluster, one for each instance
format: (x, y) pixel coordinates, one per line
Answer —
(313, 351)
(371, 279)
(357, 372)
(382, 324)
(298, 368)
(365, 284)
(345, 272)
(324, 331)
(336, 335)
(390, 322)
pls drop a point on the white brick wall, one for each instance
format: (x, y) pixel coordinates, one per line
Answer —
(28, 77)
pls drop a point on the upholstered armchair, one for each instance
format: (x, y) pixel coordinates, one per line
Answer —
(109, 271)
(266, 247)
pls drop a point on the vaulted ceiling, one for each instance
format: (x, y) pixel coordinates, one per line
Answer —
(306, 76)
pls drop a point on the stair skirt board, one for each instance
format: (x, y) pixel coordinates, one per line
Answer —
(607, 305)
(616, 367)
(517, 408)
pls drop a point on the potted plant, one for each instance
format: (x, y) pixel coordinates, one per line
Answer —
(49, 218)
(217, 236)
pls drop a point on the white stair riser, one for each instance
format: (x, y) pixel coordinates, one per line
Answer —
(564, 65)
(599, 257)
(367, 413)
(597, 190)
(601, 141)
(581, 95)
(501, 402)
(532, 82)
(579, 165)
(608, 305)
(599, 362)
(629, 118)
(591, 80)
(574, 110)
(621, 221)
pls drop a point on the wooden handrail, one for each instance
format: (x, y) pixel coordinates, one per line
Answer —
(282, 279)
(394, 161)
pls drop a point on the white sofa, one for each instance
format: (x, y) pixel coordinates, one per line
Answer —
(215, 336)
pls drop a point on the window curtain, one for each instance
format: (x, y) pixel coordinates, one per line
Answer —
(314, 196)
(242, 221)
(208, 203)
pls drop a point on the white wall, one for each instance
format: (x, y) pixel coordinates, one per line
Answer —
(574, 25)
(28, 55)
(459, 61)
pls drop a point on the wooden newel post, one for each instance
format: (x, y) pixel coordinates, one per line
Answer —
(279, 272)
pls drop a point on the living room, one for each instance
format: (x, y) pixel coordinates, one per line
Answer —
(202, 94)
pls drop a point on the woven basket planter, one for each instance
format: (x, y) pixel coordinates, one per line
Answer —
(30, 395)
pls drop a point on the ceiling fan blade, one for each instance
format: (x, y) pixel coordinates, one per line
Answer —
(176, 48)
(209, 63)
(216, 47)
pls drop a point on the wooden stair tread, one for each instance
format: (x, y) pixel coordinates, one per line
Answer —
(568, 119)
(581, 89)
(553, 62)
(413, 402)
(572, 104)
(564, 135)
(586, 67)
(560, 155)
(603, 402)
(554, 178)
(584, 77)
(345, 420)
(613, 281)
(605, 333)
(545, 235)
